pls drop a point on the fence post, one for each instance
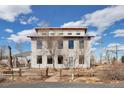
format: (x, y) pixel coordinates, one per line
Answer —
(60, 72)
(47, 72)
(20, 72)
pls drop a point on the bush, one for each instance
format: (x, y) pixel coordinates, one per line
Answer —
(122, 59)
(112, 72)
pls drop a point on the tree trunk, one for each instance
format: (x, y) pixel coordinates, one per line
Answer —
(72, 75)
(47, 72)
(10, 57)
(60, 72)
(20, 72)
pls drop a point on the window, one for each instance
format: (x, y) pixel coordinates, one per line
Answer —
(81, 44)
(39, 44)
(71, 44)
(52, 33)
(60, 59)
(77, 33)
(60, 44)
(49, 60)
(69, 33)
(39, 59)
(44, 34)
(60, 33)
(81, 59)
(49, 44)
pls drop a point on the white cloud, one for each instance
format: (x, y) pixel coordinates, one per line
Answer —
(31, 20)
(112, 46)
(101, 19)
(10, 12)
(42, 24)
(96, 44)
(79, 23)
(104, 34)
(8, 30)
(92, 33)
(93, 49)
(95, 38)
(118, 33)
(22, 36)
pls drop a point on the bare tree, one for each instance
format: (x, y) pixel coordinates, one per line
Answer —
(3, 52)
(49, 46)
(19, 46)
(72, 57)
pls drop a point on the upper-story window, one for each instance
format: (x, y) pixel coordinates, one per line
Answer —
(49, 44)
(60, 44)
(52, 33)
(71, 44)
(60, 33)
(81, 44)
(44, 33)
(77, 33)
(39, 44)
(69, 33)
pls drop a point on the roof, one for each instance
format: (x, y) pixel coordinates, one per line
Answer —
(62, 36)
(58, 28)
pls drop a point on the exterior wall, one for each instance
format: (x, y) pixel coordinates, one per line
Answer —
(65, 33)
(65, 52)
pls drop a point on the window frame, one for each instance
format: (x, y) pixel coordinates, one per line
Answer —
(81, 59)
(70, 44)
(81, 45)
(44, 33)
(52, 34)
(39, 44)
(78, 33)
(48, 60)
(60, 57)
(60, 33)
(39, 57)
(69, 33)
(60, 44)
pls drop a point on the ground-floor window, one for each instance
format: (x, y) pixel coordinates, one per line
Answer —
(60, 59)
(39, 59)
(81, 59)
(49, 60)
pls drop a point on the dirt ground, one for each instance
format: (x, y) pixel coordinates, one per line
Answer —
(39, 75)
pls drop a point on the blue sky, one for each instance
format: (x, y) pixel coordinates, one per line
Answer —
(106, 22)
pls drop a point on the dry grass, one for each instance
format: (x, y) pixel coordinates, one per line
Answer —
(112, 72)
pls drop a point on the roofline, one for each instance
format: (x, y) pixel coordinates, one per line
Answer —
(60, 36)
(59, 28)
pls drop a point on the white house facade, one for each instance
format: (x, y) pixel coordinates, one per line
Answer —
(60, 48)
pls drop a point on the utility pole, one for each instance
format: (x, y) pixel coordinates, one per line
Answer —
(10, 57)
(10, 60)
(1, 53)
(116, 51)
(100, 47)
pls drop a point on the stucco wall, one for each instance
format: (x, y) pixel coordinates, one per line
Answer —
(65, 52)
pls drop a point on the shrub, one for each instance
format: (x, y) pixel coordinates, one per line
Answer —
(122, 59)
(112, 72)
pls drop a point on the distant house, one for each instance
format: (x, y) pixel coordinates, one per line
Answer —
(60, 48)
